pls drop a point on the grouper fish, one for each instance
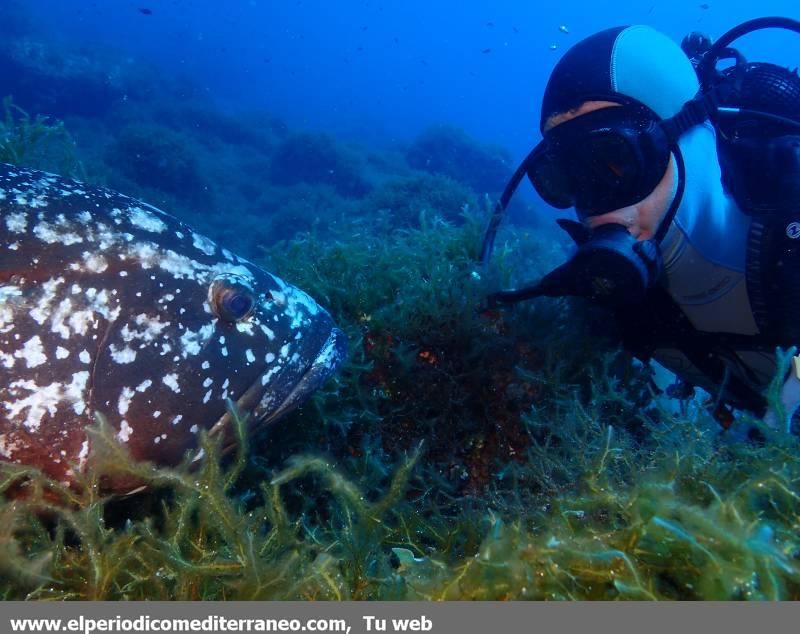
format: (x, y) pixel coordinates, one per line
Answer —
(110, 306)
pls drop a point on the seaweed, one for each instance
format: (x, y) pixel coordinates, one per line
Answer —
(209, 544)
(37, 142)
(160, 158)
(638, 524)
(406, 198)
(318, 158)
(462, 453)
(658, 538)
(427, 359)
(448, 151)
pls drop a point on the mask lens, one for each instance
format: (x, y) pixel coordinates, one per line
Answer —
(607, 172)
(613, 160)
(550, 180)
(600, 161)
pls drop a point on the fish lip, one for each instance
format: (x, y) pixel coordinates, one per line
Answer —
(330, 357)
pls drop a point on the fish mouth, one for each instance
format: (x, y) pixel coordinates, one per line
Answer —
(261, 403)
(330, 357)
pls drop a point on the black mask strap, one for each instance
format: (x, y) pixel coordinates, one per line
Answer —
(676, 202)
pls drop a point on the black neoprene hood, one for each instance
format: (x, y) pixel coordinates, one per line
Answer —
(584, 73)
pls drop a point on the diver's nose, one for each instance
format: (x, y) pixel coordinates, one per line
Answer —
(626, 217)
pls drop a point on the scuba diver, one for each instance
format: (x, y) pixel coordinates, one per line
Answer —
(686, 183)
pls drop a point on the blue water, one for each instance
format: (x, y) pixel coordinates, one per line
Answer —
(381, 71)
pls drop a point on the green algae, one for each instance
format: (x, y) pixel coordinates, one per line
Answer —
(570, 482)
(461, 454)
(37, 142)
(720, 527)
(206, 544)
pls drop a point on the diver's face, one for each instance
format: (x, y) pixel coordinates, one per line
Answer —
(641, 219)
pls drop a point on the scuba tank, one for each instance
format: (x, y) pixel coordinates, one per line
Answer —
(757, 120)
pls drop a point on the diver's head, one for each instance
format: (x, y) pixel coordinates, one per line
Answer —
(629, 143)
(604, 151)
(602, 170)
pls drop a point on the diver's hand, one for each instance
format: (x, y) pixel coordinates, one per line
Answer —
(790, 397)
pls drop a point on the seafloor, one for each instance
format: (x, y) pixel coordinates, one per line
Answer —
(460, 454)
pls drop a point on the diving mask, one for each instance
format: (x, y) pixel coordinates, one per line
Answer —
(600, 161)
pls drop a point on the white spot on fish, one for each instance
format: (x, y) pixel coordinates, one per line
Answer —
(125, 431)
(245, 327)
(125, 400)
(32, 352)
(126, 355)
(171, 381)
(94, 263)
(84, 454)
(203, 244)
(51, 234)
(17, 222)
(193, 342)
(42, 310)
(145, 220)
(45, 399)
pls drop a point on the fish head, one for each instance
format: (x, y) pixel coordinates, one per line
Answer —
(194, 342)
(110, 307)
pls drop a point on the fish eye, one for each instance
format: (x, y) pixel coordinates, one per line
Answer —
(230, 300)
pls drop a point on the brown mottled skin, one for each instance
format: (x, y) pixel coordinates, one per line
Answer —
(110, 306)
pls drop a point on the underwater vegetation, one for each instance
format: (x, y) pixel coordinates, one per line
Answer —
(36, 142)
(701, 524)
(63, 82)
(449, 151)
(159, 158)
(405, 199)
(258, 130)
(318, 158)
(460, 455)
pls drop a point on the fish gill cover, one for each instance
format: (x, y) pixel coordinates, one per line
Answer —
(459, 454)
